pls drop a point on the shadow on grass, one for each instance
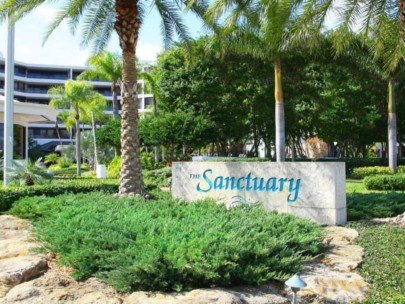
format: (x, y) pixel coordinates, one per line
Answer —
(366, 206)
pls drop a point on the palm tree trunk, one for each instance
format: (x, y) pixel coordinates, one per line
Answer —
(127, 26)
(93, 125)
(280, 123)
(401, 6)
(78, 149)
(115, 101)
(392, 127)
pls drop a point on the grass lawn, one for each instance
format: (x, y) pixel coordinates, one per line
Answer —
(363, 204)
(384, 245)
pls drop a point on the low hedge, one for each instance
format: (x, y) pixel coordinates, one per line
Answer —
(351, 163)
(385, 182)
(58, 186)
(362, 172)
(169, 245)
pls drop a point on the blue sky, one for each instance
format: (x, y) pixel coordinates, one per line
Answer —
(62, 48)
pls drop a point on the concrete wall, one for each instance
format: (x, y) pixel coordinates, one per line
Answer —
(312, 190)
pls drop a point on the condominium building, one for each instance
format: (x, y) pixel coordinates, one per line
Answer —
(32, 82)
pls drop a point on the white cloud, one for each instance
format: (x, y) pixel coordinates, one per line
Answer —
(148, 52)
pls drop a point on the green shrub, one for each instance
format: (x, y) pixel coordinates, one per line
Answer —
(168, 245)
(11, 194)
(401, 169)
(114, 168)
(157, 178)
(64, 162)
(385, 182)
(51, 159)
(362, 172)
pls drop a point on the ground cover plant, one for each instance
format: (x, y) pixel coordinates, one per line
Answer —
(384, 261)
(168, 245)
(11, 194)
(363, 204)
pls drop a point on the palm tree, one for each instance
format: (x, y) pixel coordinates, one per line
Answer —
(379, 26)
(80, 97)
(99, 19)
(259, 28)
(106, 66)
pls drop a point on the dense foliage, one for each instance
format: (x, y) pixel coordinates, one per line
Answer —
(384, 263)
(385, 182)
(362, 172)
(168, 245)
(11, 194)
(340, 100)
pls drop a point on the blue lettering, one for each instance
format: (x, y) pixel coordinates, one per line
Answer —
(295, 189)
(208, 181)
(230, 180)
(219, 182)
(271, 185)
(248, 180)
(238, 186)
(282, 181)
(259, 186)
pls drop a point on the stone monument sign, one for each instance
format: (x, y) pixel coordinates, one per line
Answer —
(313, 190)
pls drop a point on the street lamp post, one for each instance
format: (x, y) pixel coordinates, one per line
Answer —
(8, 106)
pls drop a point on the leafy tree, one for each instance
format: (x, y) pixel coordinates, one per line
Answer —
(99, 18)
(380, 26)
(259, 28)
(227, 90)
(106, 66)
(175, 129)
(110, 134)
(80, 97)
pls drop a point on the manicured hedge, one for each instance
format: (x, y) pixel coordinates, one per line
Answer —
(351, 163)
(385, 182)
(362, 172)
(58, 186)
(169, 245)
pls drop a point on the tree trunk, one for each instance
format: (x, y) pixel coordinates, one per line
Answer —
(127, 26)
(94, 139)
(401, 6)
(115, 101)
(78, 149)
(392, 127)
(280, 123)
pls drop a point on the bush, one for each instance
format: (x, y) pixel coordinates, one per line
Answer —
(385, 182)
(11, 194)
(157, 178)
(362, 172)
(64, 162)
(51, 159)
(168, 245)
(114, 168)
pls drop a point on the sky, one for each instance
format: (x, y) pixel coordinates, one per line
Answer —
(62, 48)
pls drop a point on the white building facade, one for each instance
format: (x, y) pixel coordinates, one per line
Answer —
(32, 82)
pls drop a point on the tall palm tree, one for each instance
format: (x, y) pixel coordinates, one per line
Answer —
(380, 27)
(99, 19)
(259, 27)
(80, 97)
(106, 66)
